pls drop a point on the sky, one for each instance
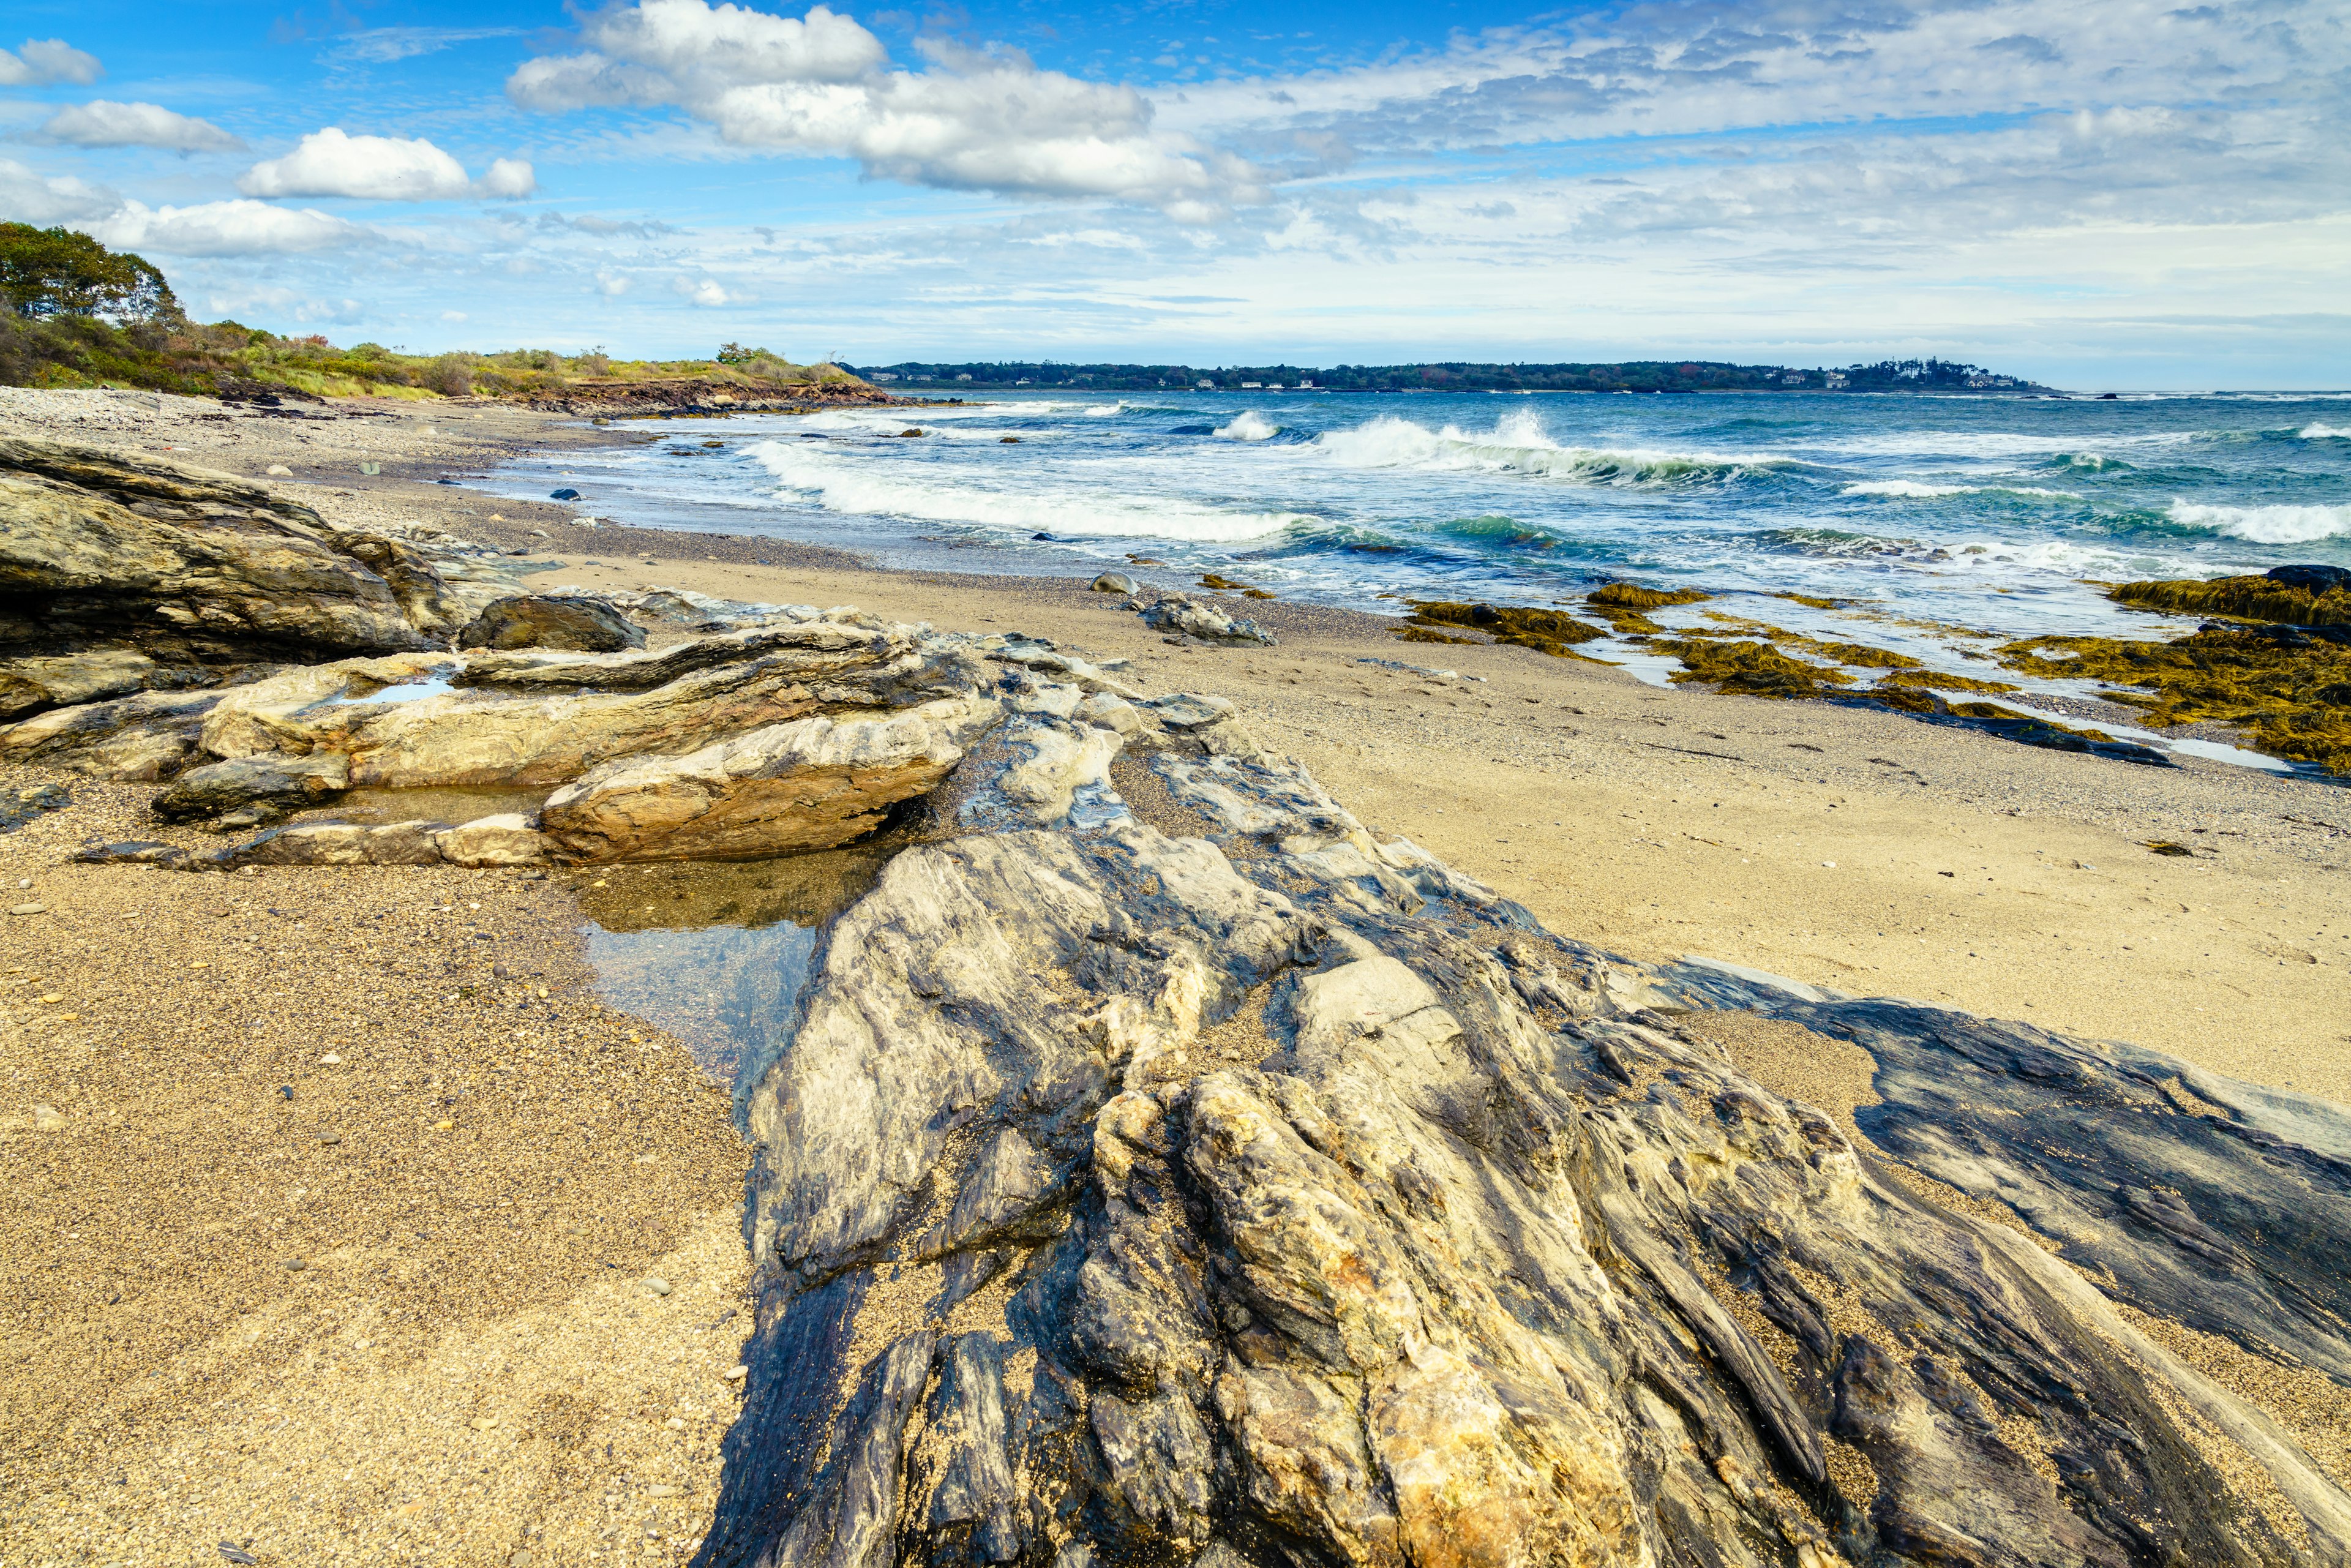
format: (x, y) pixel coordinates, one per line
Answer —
(2111, 194)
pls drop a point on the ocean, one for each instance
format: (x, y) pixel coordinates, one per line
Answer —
(1935, 516)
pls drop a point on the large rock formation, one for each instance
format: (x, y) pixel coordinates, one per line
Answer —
(1239, 1187)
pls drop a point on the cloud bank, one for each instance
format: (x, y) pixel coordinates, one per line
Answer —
(101, 124)
(39, 62)
(973, 121)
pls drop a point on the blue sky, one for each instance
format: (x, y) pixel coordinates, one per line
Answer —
(2132, 194)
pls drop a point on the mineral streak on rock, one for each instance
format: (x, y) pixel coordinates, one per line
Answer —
(1281, 1197)
(551, 621)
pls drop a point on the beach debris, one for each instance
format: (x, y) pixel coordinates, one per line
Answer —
(234, 1553)
(1114, 583)
(278, 471)
(29, 909)
(1422, 670)
(1199, 618)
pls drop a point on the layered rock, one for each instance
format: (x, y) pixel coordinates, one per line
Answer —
(551, 621)
(810, 784)
(99, 546)
(1279, 1195)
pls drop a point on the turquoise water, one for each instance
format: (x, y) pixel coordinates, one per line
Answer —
(1936, 515)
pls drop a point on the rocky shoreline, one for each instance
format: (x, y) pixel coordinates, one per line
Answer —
(1163, 1165)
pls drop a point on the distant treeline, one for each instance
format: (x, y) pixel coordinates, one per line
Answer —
(1638, 376)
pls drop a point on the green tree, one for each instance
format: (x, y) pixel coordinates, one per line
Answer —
(46, 273)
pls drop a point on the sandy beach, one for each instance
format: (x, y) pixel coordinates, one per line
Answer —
(402, 1080)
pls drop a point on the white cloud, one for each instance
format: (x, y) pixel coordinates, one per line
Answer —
(611, 284)
(331, 162)
(453, 316)
(972, 121)
(705, 292)
(31, 198)
(284, 303)
(225, 229)
(38, 62)
(103, 123)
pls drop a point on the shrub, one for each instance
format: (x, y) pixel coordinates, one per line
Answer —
(450, 376)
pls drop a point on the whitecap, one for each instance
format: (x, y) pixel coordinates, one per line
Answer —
(2325, 433)
(1915, 490)
(1248, 425)
(2273, 525)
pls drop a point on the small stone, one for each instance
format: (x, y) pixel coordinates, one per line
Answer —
(278, 471)
(666, 1490)
(674, 1424)
(330, 1137)
(658, 1287)
(1114, 583)
(331, 1060)
(51, 999)
(296, 1265)
(483, 1423)
(48, 1119)
(738, 1373)
(521, 1559)
(29, 909)
(444, 1126)
(235, 1553)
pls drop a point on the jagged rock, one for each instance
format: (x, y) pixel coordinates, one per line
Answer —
(97, 546)
(28, 686)
(509, 839)
(1348, 1216)
(290, 782)
(533, 620)
(810, 784)
(1199, 618)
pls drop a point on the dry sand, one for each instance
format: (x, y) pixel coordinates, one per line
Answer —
(171, 1383)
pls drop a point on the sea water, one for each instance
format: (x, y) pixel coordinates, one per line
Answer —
(1937, 520)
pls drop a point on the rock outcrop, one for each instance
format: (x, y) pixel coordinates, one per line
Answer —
(1159, 1168)
(1264, 1193)
(1196, 617)
(551, 621)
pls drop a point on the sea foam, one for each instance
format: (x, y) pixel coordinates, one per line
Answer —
(863, 485)
(1248, 425)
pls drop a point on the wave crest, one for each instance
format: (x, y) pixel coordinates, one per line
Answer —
(2273, 525)
(1248, 425)
(1517, 445)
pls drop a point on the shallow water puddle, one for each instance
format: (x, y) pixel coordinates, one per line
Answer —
(718, 953)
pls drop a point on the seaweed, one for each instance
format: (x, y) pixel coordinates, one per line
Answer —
(1814, 601)
(1423, 634)
(1855, 653)
(1632, 596)
(2242, 598)
(2291, 699)
(1936, 681)
(1544, 631)
(1749, 668)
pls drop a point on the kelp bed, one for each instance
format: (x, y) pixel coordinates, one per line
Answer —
(2283, 681)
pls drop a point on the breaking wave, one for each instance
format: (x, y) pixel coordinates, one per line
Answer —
(1913, 490)
(2326, 431)
(1248, 425)
(2277, 525)
(1518, 445)
(859, 486)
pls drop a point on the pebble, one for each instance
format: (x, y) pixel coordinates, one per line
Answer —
(675, 1423)
(483, 1423)
(236, 1554)
(444, 1126)
(658, 1287)
(48, 1119)
(330, 1137)
(738, 1373)
(666, 1490)
(331, 1060)
(295, 1264)
(29, 909)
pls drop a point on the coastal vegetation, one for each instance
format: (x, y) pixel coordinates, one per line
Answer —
(77, 314)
